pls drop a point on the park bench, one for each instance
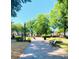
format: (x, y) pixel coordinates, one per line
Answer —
(55, 43)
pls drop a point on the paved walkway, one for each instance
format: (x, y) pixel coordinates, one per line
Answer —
(39, 49)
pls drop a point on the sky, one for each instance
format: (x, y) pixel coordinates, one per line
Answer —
(30, 10)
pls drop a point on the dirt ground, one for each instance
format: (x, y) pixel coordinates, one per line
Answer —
(17, 48)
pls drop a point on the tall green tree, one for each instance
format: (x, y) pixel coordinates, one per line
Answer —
(17, 27)
(41, 25)
(59, 15)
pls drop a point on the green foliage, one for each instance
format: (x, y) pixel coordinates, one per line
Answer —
(60, 31)
(59, 15)
(17, 27)
(18, 38)
(41, 25)
(29, 26)
(28, 38)
(16, 6)
(38, 26)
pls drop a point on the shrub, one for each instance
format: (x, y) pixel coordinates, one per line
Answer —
(28, 39)
(19, 38)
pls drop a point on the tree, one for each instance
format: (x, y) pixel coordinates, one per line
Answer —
(64, 13)
(17, 27)
(16, 6)
(29, 26)
(59, 15)
(41, 25)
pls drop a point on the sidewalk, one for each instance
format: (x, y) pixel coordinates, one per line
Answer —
(39, 49)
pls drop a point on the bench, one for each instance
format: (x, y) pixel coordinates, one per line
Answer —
(55, 43)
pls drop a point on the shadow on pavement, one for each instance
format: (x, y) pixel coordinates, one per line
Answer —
(40, 50)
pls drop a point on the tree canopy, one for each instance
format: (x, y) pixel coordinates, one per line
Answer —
(17, 27)
(16, 6)
(41, 25)
(57, 18)
(59, 15)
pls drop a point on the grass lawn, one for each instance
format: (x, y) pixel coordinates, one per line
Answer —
(64, 45)
(17, 48)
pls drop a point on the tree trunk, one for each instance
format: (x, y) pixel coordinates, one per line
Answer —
(64, 32)
(24, 31)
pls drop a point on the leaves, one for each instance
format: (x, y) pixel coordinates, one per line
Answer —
(59, 15)
(16, 6)
(17, 27)
(41, 25)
